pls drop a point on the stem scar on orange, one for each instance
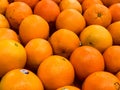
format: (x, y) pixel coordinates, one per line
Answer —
(98, 14)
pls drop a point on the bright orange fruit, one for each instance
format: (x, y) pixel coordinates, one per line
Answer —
(12, 56)
(56, 69)
(20, 79)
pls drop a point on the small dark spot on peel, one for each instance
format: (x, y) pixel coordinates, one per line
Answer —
(99, 15)
(90, 43)
(16, 44)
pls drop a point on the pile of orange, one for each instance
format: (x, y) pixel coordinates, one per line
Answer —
(59, 44)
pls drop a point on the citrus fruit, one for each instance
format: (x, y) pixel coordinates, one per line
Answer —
(56, 69)
(3, 6)
(71, 19)
(7, 33)
(31, 3)
(32, 27)
(96, 36)
(112, 59)
(74, 4)
(12, 56)
(88, 3)
(86, 60)
(98, 14)
(114, 30)
(16, 12)
(20, 79)
(47, 9)
(65, 44)
(114, 10)
(101, 81)
(37, 50)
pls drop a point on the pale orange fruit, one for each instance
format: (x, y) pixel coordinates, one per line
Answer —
(97, 36)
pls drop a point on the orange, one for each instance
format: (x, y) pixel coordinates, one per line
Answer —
(47, 9)
(110, 2)
(74, 4)
(88, 3)
(4, 22)
(114, 29)
(32, 27)
(16, 12)
(101, 81)
(98, 14)
(71, 19)
(31, 3)
(12, 55)
(7, 33)
(3, 6)
(96, 36)
(114, 9)
(112, 59)
(68, 88)
(86, 60)
(20, 79)
(55, 72)
(65, 44)
(37, 50)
